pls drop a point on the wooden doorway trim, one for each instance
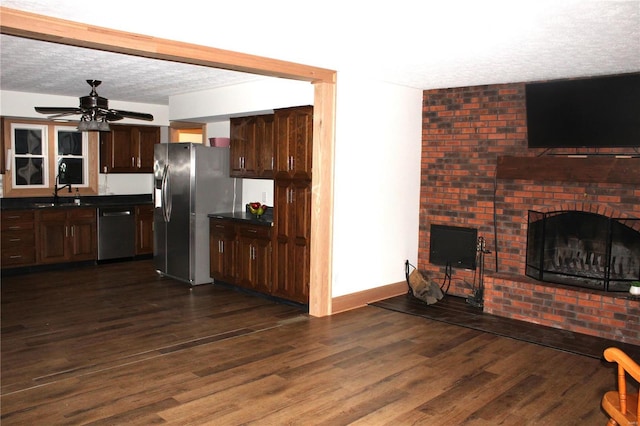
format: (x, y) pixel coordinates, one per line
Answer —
(40, 27)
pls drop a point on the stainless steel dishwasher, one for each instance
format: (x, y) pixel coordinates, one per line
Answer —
(116, 232)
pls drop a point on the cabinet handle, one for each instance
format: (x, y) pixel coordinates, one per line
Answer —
(252, 230)
(221, 246)
(15, 240)
(72, 229)
(15, 227)
(66, 231)
(15, 256)
(139, 162)
(243, 163)
(13, 217)
(293, 163)
(272, 163)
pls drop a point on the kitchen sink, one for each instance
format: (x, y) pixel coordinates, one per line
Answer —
(47, 205)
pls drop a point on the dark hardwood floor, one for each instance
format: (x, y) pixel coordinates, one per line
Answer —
(117, 344)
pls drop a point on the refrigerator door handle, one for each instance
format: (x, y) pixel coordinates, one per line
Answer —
(166, 194)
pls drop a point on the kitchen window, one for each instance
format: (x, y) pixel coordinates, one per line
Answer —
(29, 162)
(71, 158)
(38, 150)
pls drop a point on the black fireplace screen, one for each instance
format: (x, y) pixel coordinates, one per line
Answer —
(583, 249)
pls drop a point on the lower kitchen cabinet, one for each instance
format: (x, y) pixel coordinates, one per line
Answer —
(254, 257)
(18, 238)
(144, 229)
(67, 235)
(222, 242)
(240, 254)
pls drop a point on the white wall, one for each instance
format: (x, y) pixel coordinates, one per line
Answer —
(377, 183)
(240, 99)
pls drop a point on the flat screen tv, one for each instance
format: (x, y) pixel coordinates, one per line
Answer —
(453, 245)
(586, 112)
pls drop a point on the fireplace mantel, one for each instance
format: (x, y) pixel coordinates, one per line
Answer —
(596, 169)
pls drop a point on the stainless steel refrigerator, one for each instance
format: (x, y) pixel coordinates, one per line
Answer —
(190, 181)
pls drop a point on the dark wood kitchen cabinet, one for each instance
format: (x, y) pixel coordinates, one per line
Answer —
(128, 149)
(144, 229)
(67, 235)
(254, 257)
(293, 129)
(292, 227)
(222, 257)
(252, 146)
(18, 238)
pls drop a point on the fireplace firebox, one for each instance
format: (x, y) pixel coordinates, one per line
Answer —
(583, 249)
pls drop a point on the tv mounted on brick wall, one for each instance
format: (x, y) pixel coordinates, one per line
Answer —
(454, 246)
(585, 112)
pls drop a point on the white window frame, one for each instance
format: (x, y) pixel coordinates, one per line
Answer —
(45, 154)
(84, 156)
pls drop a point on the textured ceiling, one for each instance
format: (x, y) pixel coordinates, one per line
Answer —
(421, 44)
(55, 69)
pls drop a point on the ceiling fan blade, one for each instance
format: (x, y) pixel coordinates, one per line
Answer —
(131, 114)
(58, 110)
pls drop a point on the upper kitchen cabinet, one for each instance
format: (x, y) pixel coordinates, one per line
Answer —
(128, 149)
(252, 146)
(294, 142)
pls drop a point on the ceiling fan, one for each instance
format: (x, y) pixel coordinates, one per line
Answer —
(94, 110)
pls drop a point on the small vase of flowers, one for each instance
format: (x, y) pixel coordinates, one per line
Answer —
(635, 288)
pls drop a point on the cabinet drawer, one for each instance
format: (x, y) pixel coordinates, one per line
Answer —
(18, 256)
(53, 215)
(254, 231)
(80, 213)
(17, 220)
(221, 226)
(11, 239)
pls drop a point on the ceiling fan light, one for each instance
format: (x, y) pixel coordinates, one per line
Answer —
(103, 126)
(83, 126)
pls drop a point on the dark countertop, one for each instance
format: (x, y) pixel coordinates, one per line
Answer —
(265, 220)
(96, 201)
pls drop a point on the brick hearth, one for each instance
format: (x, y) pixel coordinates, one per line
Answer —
(466, 131)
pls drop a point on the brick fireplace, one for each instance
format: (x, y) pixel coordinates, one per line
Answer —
(478, 172)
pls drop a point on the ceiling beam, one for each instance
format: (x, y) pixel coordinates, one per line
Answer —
(46, 28)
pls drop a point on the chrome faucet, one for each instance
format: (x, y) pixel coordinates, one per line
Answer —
(57, 188)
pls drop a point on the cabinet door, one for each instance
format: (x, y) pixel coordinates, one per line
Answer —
(147, 137)
(294, 142)
(116, 150)
(144, 229)
(265, 146)
(243, 147)
(254, 256)
(262, 277)
(82, 239)
(222, 250)
(53, 234)
(245, 262)
(292, 213)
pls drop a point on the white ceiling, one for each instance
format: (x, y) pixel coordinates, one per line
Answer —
(420, 44)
